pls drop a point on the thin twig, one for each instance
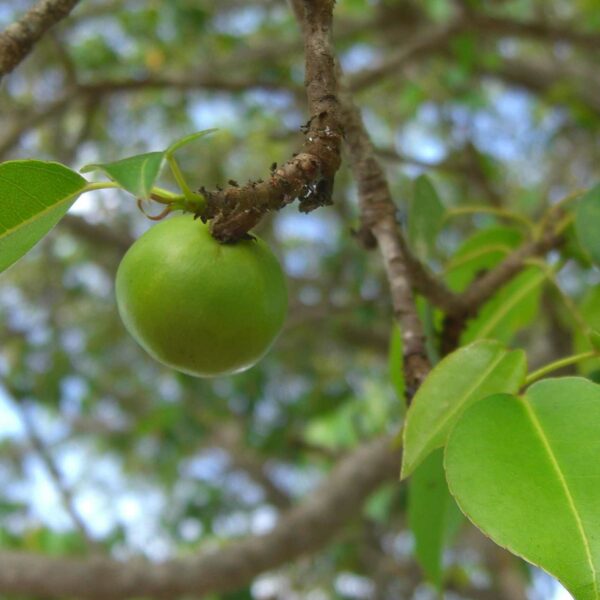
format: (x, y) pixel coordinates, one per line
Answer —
(378, 213)
(484, 287)
(65, 493)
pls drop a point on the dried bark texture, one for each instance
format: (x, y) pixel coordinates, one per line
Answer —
(378, 213)
(308, 175)
(302, 530)
(18, 39)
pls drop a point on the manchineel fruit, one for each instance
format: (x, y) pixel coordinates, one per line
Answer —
(199, 306)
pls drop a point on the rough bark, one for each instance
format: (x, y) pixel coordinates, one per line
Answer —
(309, 174)
(19, 38)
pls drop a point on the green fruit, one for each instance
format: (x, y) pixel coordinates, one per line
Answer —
(196, 305)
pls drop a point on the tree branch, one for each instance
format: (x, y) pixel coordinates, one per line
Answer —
(308, 175)
(18, 39)
(483, 288)
(33, 119)
(98, 233)
(303, 530)
(378, 213)
(424, 41)
(541, 76)
(546, 32)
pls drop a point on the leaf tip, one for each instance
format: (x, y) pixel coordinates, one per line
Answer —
(406, 468)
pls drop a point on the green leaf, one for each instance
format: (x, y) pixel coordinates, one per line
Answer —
(587, 223)
(595, 340)
(34, 196)
(426, 213)
(432, 320)
(513, 307)
(589, 309)
(525, 470)
(187, 139)
(482, 251)
(136, 174)
(396, 364)
(571, 247)
(432, 515)
(460, 379)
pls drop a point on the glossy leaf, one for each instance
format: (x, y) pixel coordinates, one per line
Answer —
(426, 214)
(136, 174)
(587, 223)
(589, 309)
(525, 470)
(432, 515)
(187, 140)
(572, 249)
(34, 196)
(513, 307)
(460, 379)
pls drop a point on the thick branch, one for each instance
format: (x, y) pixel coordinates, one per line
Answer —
(308, 175)
(303, 530)
(379, 220)
(18, 39)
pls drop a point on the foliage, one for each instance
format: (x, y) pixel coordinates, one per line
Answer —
(488, 136)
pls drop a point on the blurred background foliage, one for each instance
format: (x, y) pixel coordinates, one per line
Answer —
(101, 446)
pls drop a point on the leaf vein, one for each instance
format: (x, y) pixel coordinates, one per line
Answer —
(561, 477)
(443, 422)
(491, 323)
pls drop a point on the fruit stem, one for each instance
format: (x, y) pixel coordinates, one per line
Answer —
(194, 198)
(100, 185)
(165, 196)
(558, 364)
